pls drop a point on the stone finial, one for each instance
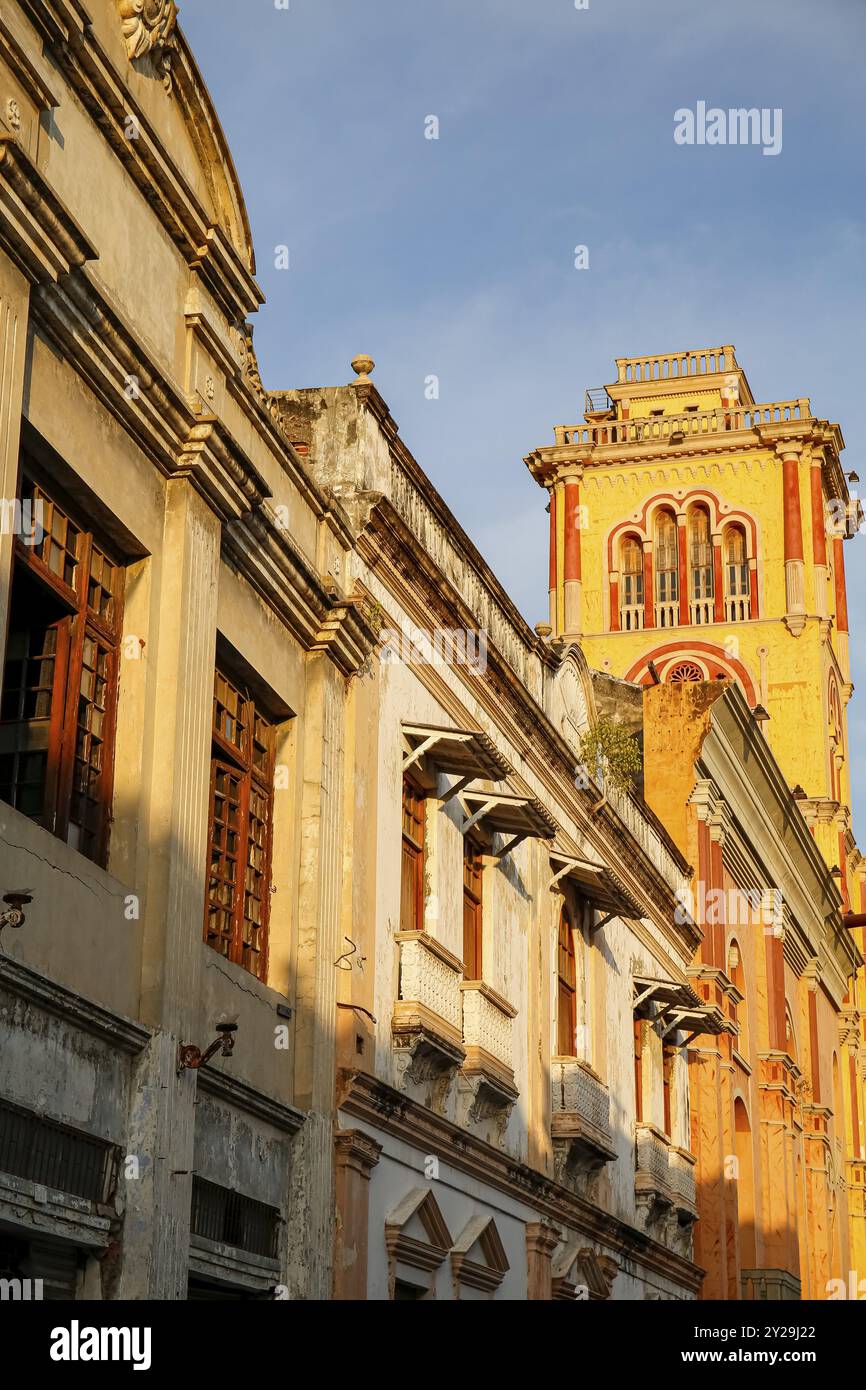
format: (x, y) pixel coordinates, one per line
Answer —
(362, 366)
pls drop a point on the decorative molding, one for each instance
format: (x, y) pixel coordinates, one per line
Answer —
(480, 1234)
(223, 253)
(382, 1108)
(39, 234)
(124, 1033)
(149, 28)
(241, 1096)
(26, 74)
(426, 1254)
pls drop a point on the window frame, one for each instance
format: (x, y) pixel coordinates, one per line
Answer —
(473, 903)
(78, 624)
(414, 851)
(701, 566)
(668, 575)
(566, 988)
(239, 760)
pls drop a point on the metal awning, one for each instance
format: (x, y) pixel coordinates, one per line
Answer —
(596, 882)
(703, 1019)
(665, 994)
(677, 1006)
(511, 815)
(466, 754)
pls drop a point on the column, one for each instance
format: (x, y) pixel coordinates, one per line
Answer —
(683, 564)
(14, 309)
(614, 600)
(572, 574)
(553, 566)
(795, 580)
(841, 607)
(322, 751)
(819, 538)
(162, 1118)
(541, 1242)
(649, 597)
(356, 1155)
(718, 579)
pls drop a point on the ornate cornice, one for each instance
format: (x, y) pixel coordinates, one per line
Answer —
(221, 253)
(123, 1033)
(149, 30)
(241, 1096)
(36, 229)
(318, 616)
(384, 1109)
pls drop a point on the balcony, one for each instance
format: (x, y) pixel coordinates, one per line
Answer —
(652, 1169)
(488, 1043)
(426, 1025)
(673, 366)
(697, 425)
(664, 1180)
(631, 617)
(738, 610)
(702, 611)
(681, 1171)
(580, 1116)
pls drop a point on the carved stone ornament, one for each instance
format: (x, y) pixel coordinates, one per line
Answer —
(149, 27)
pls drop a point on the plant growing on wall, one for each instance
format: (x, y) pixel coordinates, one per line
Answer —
(611, 754)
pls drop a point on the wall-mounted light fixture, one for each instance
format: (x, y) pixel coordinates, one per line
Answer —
(14, 913)
(191, 1057)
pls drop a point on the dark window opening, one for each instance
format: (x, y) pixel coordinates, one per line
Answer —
(60, 678)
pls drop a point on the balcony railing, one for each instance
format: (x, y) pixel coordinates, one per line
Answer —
(660, 429)
(488, 1028)
(669, 366)
(703, 611)
(631, 617)
(652, 1169)
(681, 1169)
(738, 610)
(580, 1112)
(427, 1015)
(487, 1021)
(667, 614)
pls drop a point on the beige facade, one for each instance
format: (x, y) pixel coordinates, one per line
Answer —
(338, 976)
(225, 557)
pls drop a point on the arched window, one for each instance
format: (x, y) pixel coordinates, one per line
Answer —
(631, 555)
(566, 1003)
(667, 569)
(701, 565)
(737, 588)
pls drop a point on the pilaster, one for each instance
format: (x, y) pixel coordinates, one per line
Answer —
(162, 1120)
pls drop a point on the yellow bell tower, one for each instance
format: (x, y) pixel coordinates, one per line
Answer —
(698, 535)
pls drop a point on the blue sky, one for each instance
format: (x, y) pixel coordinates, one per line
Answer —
(455, 257)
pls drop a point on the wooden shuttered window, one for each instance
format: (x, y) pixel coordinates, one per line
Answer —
(60, 676)
(240, 829)
(566, 975)
(473, 909)
(412, 864)
(667, 1078)
(638, 1069)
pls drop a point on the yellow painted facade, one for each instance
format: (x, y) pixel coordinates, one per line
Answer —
(697, 536)
(657, 445)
